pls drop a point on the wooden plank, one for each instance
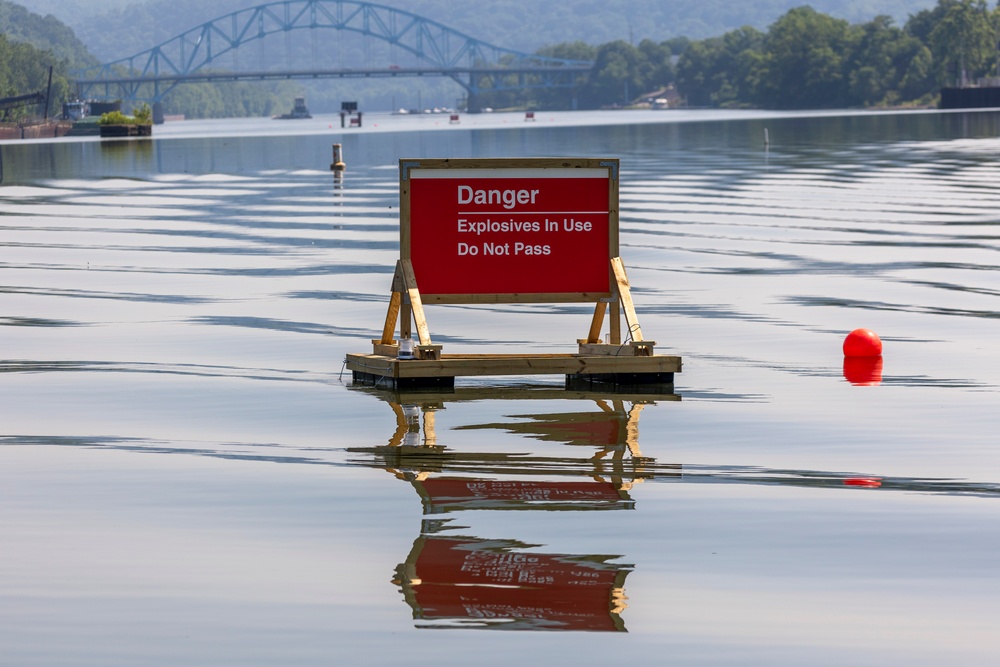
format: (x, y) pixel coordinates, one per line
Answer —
(594, 336)
(429, 399)
(405, 321)
(423, 333)
(427, 351)
(398, 283)
(511, 163)
(570, 365)
(383, 350)
(613, 204)
(478, 365)
(603, 350)
(642, 348)
(391, 317)
(616, 323)
(625, 295)
(371, 363)
(517, 297)
(404, 216)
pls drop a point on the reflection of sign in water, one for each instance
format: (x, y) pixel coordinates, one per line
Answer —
(612, 426)
(442, 494)
(495, 480)
(471, 582)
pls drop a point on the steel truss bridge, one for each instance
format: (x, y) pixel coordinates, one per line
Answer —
(195, 55)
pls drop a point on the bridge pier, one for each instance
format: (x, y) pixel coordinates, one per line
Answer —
(472, 103)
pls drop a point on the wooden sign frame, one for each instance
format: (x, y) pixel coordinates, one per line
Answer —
(407, 299)
(428, 236)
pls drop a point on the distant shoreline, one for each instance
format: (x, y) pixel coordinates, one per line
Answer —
(386, 122)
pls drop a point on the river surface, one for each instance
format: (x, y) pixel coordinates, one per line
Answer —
(187, 476)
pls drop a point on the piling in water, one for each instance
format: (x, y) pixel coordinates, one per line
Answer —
(338, 159)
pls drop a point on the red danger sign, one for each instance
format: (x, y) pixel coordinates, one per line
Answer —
(510, 231)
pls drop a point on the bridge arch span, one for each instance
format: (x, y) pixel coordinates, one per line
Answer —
(445, 50)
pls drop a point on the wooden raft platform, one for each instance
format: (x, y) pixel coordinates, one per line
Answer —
(605, 366)
(582, 371)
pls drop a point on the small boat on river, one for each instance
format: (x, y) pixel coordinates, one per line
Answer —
(299, 110)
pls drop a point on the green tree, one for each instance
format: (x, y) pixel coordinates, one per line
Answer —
(25, 69)
(918, 80)
(803, 63)
(882, 56)
(963, 41)
(656, 67)
(721, 71)
(569, 51)
(616, 77)
(557, 98)
(44, 33)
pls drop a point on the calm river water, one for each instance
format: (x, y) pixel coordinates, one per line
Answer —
(187, 476)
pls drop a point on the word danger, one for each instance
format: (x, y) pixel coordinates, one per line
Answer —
(506, 198)
(465, 249)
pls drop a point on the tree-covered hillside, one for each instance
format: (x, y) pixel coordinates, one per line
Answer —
(804, 60)
(47, 33)
(29, 46)
(809, 60)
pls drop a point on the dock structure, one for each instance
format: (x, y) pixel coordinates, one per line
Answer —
(512, 231)
(582, 371)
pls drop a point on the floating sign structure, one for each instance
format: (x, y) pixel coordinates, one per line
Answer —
(511, 231)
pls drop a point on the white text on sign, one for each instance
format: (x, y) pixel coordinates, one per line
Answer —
(466, 226)
(502, 249)
(506, 198)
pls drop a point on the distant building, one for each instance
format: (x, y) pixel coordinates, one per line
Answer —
(664, 98)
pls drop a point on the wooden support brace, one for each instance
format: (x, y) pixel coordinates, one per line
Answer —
(416, 305)
(597, 323)
(389, 329)
(404, 304)
(616, 322)
(405, 321)
(625, 296)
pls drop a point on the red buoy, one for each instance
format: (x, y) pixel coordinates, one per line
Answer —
(862, 343)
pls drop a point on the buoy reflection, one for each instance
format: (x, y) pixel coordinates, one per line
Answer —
(863, 371)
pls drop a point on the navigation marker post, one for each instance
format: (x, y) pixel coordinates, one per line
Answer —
(538, 230)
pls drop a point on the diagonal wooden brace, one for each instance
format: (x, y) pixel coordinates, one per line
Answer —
(625, 296)
(405, 299)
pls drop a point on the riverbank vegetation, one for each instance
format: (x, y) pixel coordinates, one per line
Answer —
(24, 70)
(29, 45)
(805, 59)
